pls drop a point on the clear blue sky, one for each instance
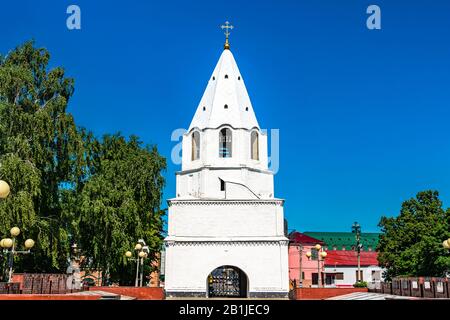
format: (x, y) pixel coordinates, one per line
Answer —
(363, 115)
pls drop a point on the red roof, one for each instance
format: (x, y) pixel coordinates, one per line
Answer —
(297, 237)
(349, 258)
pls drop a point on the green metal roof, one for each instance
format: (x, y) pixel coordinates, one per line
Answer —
(340, 240)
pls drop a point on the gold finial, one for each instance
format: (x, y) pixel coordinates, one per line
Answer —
(227, 28)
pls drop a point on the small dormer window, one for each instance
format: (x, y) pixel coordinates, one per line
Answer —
(226, 76)
(225, 106)
(246, 108)
(239, 78)
(204, 108)
(214, 78)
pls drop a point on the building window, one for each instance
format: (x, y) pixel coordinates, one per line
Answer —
(360, 275)
(195, 145)
(246, 108)
(204, 108)
(314, 254)
(225, 143)
(255, 145)
(239, 78)
(226, 76)
(329, 279)
(339, 276)
(225, 106)
(315, 279)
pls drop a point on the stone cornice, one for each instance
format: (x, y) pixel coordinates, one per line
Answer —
(226, 125)
(251, 243)
(241, 167)
(224, 202)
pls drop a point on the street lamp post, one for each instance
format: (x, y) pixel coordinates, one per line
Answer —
(446, 244)
(320, 254)
(142, 253)
(300, 275)
(9, 248)
(4, 189)
(356, 229)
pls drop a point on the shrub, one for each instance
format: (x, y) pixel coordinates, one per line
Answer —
(360, 284)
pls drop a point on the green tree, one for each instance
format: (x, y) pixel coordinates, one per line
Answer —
(120, 203)
(39, 153)
(411, 244)
(66, 185)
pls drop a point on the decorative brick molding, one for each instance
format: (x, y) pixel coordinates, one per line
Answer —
(173, 243)
(268, 295)
(185, 294)
(203, 202)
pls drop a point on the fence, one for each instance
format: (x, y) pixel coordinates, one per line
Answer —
(422, 287)
(9, 288)
(41, 283)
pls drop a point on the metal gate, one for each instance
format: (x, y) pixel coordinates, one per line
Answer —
(227, 281)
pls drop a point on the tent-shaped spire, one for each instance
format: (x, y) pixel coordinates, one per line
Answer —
(225, 100)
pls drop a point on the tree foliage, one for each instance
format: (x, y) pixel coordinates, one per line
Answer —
(411, 244)
(39, 145)
(119, 204)
(66, 185)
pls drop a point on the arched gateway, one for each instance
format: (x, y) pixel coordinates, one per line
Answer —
(227, 282)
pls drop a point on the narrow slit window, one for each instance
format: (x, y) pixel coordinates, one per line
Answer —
(255, 145)
(225, 143)
(195, 145)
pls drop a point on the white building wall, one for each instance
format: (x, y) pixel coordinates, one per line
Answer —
(241, 183)
(189, 264)
(216, 219)
(350, 274)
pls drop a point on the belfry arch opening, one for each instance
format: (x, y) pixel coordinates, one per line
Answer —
(227, 282)
(225, 143)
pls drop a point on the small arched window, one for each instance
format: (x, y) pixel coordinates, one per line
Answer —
(195, 145)
(225, 145)
(255, 145)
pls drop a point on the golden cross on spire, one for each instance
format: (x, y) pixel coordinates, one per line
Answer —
(227, 28)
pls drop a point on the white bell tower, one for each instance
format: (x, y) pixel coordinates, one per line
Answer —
(225, 218)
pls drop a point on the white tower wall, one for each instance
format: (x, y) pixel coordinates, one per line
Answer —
(237, 222)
